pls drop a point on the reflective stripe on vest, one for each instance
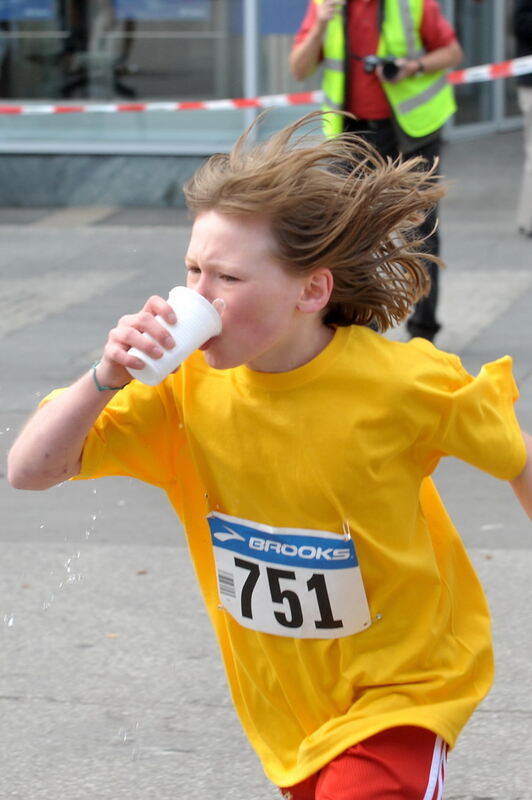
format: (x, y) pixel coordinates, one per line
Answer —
(333, 82)
(421, 98)
(335, 64)
(407, 21)
(329, 103)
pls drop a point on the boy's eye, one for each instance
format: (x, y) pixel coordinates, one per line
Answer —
(229, 278)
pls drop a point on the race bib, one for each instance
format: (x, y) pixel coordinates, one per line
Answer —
(288, 581)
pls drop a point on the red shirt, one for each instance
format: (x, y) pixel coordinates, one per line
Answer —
(365, 96)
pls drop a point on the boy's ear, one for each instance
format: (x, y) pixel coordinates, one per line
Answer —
(317, 291)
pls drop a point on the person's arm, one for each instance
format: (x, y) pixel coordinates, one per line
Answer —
(305, 56)
(442, 49)
(49, 448)
(522, 485)
(441, 58)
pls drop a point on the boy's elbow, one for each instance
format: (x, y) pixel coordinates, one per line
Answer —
(20, 475)
(15, 476)
(20, 478)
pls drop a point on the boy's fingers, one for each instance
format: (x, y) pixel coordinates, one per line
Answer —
(157, 305)
(130, 328)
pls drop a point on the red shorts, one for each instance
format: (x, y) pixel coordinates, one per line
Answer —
(405, 763)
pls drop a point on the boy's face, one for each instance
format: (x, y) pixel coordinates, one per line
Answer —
(234, 258)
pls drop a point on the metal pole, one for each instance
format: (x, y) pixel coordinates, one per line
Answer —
(251, 55)
(498, 42)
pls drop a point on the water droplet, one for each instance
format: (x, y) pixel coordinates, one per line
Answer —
(121, 503)
(9, 620)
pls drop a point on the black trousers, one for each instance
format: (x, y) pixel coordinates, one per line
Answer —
(382, 134)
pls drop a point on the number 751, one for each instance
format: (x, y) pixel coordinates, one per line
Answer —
(316, 583)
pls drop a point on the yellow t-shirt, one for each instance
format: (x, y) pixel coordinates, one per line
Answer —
(336, 452)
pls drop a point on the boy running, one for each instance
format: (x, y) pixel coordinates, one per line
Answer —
(297, 450)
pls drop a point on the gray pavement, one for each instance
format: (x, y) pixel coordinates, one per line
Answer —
(110, 681)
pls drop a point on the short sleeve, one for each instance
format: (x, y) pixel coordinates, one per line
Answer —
(139, 434)
(471, 418)
(436, 31)
(306, 25)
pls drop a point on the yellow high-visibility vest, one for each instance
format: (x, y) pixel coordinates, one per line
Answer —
(420, 104)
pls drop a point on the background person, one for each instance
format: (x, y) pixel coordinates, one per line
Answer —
(297, 450)
(402, 114)
(522, 21)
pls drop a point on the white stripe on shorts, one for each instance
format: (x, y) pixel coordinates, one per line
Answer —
(434, 788)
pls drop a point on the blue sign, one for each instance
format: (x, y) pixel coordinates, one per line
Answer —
(282, 16)
(174, 10)
(21, 10)
(275, 16)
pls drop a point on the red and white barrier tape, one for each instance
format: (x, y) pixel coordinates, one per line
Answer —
(490, 72)
(268, 101)
(484, 72)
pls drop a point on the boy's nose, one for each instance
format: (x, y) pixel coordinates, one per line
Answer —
(208, 295)
(202, 287)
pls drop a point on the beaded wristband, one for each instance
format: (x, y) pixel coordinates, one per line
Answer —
(104, 388)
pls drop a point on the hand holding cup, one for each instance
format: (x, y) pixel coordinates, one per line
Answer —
(197, 322)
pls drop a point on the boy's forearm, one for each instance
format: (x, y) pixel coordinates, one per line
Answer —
(522, 485)
(49, 448)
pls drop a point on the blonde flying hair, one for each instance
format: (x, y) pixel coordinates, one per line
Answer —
(336, 204)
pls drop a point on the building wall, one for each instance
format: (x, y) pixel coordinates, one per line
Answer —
(91, 51)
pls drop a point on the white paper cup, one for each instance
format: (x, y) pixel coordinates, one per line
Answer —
(197, 322)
